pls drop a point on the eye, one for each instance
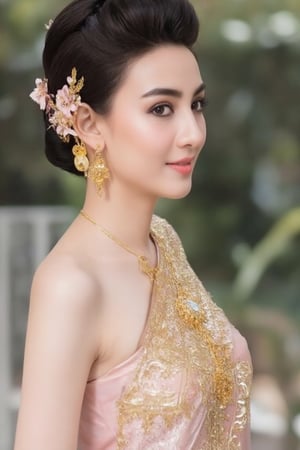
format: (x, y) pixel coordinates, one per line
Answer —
(162, 110)
(199, 105)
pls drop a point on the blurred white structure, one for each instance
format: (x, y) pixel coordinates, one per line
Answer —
(269, 409)
(26, 236)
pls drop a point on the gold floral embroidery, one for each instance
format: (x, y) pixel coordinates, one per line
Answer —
(190, 312)
(186, 366)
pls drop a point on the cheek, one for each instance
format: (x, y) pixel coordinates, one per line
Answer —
(141, 135)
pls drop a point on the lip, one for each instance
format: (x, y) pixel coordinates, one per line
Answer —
(183, 166)
(181, 162)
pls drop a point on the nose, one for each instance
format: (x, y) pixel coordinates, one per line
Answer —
(191, 130)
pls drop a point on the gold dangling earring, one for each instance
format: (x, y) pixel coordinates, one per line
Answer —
(81, 161)
(98, 172)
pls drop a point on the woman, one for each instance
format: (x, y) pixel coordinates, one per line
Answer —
(125, 349)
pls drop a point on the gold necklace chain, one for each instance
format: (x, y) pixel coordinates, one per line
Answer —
(143, 261)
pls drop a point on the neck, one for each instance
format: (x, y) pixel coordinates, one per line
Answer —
(127, 217)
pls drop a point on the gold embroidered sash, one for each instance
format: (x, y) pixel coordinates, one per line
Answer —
(187, 367)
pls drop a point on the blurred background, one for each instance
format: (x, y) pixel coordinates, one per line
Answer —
(240, 225)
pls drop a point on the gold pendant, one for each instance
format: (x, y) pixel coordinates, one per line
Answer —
(146, 268)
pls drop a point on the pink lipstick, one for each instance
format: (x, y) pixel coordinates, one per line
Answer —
(183, 166)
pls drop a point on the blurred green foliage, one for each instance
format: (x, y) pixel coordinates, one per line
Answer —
(247, 178)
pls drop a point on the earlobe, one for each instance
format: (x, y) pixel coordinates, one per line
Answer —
(86, 126)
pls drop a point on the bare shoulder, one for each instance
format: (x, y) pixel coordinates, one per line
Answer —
(64, 305)
(62, 281)
(61, 346)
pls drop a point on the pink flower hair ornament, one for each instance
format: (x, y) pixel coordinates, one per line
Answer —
(60, 108)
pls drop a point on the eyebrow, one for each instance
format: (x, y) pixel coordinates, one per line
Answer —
(171, 92)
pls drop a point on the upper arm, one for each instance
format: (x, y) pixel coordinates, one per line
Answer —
(59, 351)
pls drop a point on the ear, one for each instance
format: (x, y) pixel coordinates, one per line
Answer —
(87, 124)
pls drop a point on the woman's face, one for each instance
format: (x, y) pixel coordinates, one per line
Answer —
(156, 129)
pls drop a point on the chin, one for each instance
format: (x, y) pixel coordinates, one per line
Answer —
(177, 194)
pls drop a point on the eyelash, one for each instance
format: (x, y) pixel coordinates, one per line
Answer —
(202, 101)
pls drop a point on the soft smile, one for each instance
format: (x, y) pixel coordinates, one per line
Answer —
(183, 166)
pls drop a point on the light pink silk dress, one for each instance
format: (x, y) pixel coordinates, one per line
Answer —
(187, 387)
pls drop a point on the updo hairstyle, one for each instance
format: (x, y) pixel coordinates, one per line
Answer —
(99, 39)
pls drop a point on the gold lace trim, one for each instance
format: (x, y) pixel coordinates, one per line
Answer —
(243, 373)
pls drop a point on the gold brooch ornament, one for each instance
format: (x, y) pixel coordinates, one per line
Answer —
(189, 311)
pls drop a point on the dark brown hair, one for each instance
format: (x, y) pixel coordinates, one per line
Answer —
(99, 38)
